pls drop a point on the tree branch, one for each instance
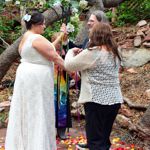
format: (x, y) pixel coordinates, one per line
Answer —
(6, 44)
(54, 14)
(112, 3)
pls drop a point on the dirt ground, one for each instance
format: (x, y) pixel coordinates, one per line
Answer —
(121, 139)
(135, 84)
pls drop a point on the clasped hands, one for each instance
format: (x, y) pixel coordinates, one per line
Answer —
(76, 50)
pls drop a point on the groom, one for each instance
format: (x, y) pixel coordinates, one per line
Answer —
(95, 17)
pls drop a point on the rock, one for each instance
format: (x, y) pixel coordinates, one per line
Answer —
(1, 109)
(144, 29)
(127, 44)
(146, 44)
(74, 104)
(126, 112)
(147, 38)
(147, 32)
(74, 112)
(78, 112)
(123, 121)
(147, 92)
(134, 57)
(130, 35)
(10, 98)
(72, 83)
(146, 41)
(137, 41)
(131, 70)
(141, 23)
(82, 110)
(140, 33)
(5, 105)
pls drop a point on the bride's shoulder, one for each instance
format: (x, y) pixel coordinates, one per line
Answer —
(37, 37)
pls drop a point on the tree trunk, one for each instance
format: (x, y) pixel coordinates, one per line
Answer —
(106, 3)
(11, 53)
(112, 3)
(8, 57)
(54, 14)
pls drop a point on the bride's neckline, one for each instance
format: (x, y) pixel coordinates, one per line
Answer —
(25, 38)
(30, 32)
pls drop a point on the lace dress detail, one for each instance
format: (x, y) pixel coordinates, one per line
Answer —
(32, 117)
(104, 80)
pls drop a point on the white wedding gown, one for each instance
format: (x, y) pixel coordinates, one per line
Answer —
(31, 123)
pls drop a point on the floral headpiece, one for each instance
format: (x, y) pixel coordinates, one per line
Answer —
(26, 17)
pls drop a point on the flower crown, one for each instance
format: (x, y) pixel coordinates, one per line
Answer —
(26, 17)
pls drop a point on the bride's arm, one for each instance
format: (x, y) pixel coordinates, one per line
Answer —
(45, 48)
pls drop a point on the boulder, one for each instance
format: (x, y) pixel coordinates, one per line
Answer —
(134, 57)
(142, 23)
(137, 41)
(147, 92)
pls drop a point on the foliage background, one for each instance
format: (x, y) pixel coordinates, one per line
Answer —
(129, 12)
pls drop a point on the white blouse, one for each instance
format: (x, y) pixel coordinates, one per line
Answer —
(99, 76)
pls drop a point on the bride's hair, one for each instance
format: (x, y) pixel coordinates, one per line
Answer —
(35, 18)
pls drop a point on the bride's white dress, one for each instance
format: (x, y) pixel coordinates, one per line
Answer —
(31, 119)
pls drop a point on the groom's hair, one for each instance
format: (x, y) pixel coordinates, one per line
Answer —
(100, 16)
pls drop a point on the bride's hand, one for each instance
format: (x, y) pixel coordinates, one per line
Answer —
(63, 28)
(76, 50)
